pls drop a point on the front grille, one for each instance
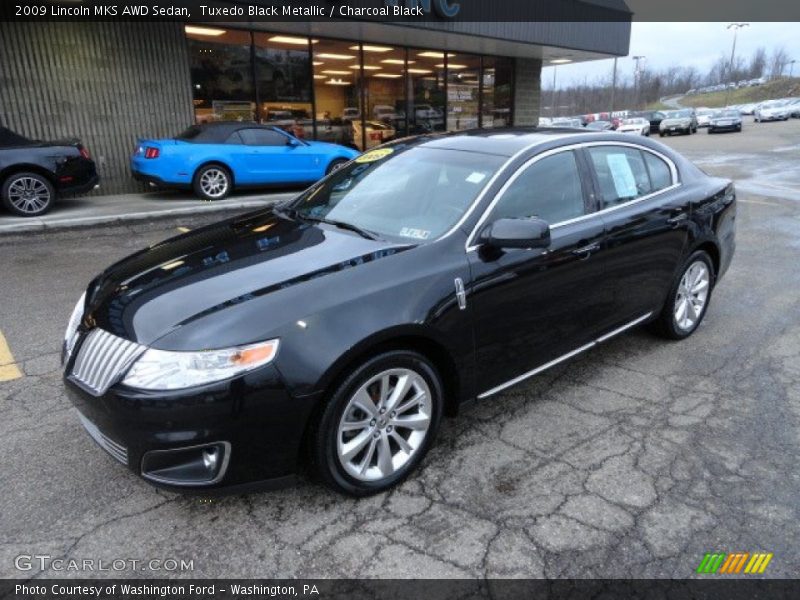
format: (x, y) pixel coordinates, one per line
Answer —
(102, 359)
(116, 450)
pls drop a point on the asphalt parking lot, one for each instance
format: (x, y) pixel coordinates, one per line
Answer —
(632, 461)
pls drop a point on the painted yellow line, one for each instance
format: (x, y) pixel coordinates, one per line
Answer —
(8, 368)
(184, 229)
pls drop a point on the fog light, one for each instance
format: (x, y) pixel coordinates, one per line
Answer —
(190, 466)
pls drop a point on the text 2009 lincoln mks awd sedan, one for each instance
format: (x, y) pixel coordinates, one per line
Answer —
(334, 331)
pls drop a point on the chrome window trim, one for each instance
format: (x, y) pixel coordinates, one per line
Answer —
(572, 147)
(563, 357)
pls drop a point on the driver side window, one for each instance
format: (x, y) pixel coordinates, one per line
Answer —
(549, 189)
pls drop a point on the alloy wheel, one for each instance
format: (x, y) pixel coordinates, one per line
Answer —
(214, 183)
(692, 295)
(384, 424)
(28, 195)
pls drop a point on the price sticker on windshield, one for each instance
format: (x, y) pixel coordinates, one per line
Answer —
(374, 155)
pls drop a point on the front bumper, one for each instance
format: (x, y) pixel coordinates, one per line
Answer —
(254, 414)
(728, 127)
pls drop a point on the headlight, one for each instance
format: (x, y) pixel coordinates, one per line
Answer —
(164, 370)
(71, 335)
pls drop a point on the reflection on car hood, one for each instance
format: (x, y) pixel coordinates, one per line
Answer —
(181, 281)
(675, 121)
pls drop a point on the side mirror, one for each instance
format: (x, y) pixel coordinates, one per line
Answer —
(293, 143)
(517, 233)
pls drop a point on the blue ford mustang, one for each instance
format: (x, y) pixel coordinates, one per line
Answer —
(214, 158)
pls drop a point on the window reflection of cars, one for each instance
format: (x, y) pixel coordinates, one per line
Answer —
(351, 114)
(335, 131)
(376, 134)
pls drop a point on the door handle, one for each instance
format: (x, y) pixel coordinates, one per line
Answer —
(586, 251)
(676, 221)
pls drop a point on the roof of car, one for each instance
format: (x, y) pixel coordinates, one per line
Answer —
(503, 142)
(220, 130)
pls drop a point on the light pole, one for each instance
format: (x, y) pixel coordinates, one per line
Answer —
(637, 76)
(736, 27)
(613, 87)
(555, 62)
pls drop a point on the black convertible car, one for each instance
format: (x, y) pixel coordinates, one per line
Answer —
(334, 331)
(33, 173)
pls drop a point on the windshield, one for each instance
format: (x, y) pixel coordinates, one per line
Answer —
(728, 113)
(634, 122)
(402, 192)
(679, 114)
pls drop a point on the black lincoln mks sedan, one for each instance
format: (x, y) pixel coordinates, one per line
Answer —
(334, 331)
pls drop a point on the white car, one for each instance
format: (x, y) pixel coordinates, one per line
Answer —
(377, 133)
(775, 110)
(704, 116)
(637, 125)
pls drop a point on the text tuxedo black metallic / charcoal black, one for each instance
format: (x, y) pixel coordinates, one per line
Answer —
(334, 331)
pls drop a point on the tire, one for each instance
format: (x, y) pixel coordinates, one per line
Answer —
(28, 194)
(360, 470)
(669, 323)
(212, 182)
(335, 165)
(660, 134)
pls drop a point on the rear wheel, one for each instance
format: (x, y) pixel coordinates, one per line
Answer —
(379, 424)
(212, 182)
(688, 298)
(28, 194)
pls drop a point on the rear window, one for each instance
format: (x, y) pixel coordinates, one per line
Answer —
(190, 133)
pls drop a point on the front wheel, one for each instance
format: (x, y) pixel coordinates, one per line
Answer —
(27, 194)
(212, 182)
(688, 298)
(378, 425)
(335, 165)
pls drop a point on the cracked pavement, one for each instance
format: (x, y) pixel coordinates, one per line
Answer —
(631, 461)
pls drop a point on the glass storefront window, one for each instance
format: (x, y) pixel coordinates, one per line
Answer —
(221, 68)
(283, 82)
(337, 92)
(426, 83)
(463, 84)
(385, 93)
(356, 94)
(498, 78)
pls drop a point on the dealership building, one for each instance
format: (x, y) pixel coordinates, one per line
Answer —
(352, 82)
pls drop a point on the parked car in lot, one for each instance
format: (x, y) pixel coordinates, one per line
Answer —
(600, 126)
(703, 116)
(336, 329)
(774, 110)
(725, 120)
(747, 109)
(565, 122)
(654, 117)
(637, 125)
(34, 173)
(215, 158)
(678, 121)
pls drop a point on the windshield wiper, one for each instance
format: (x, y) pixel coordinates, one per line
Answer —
(341, 225)
(293, 213)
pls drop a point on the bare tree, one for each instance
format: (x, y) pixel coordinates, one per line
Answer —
(778, 62)
(758, 63)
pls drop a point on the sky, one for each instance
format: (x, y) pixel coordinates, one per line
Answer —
(684, 44)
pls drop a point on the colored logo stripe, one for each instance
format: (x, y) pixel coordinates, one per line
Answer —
(759, 562)
(730, 564)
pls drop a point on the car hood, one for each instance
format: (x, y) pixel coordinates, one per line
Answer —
(675, 121)
(191, 281)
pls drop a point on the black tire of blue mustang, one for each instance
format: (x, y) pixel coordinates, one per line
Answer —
(378, 425)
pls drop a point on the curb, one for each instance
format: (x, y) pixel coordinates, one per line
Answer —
(39, 225)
